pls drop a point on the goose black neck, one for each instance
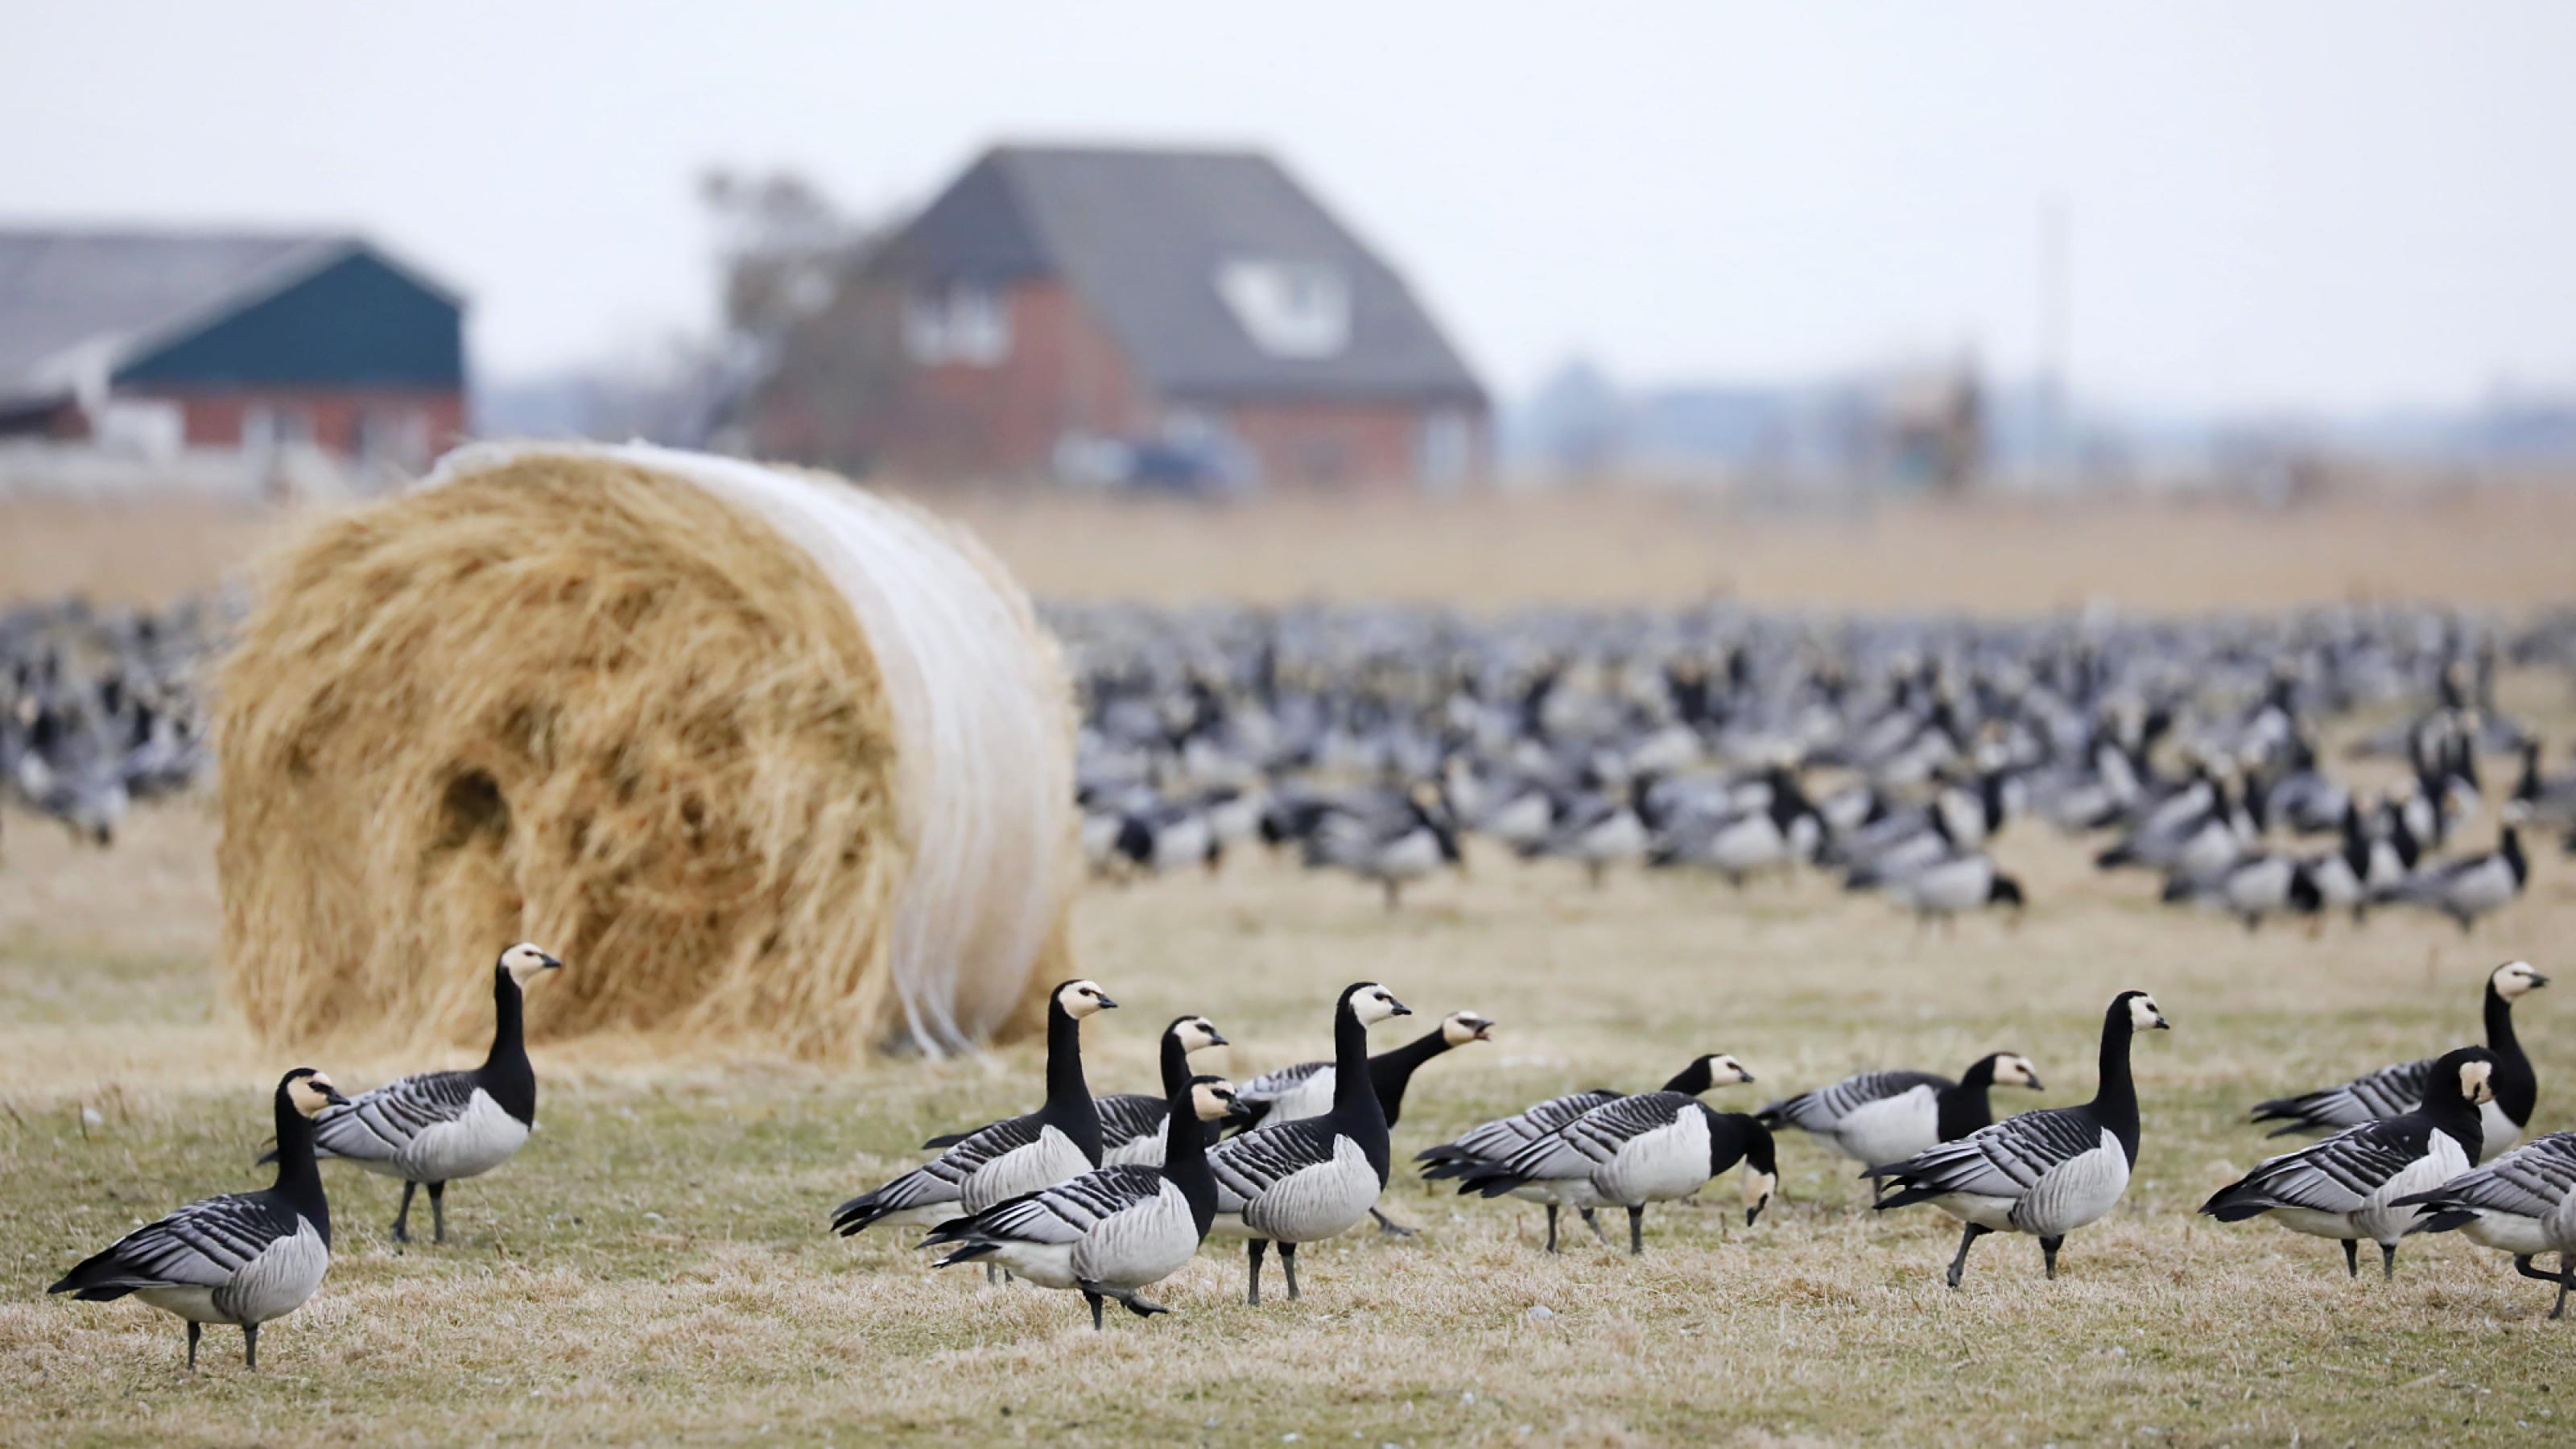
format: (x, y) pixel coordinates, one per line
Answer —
(1176, 1064)
(2517, 1091)
(1391, 1072)
(1691, 1080)
(299, 1176)
(2511, 845)
(1355, 1104)
(506, 1075)
(1966, 1106)
(1068, 1101)
(2451, 1111)
(2115, 1101)
(1185, 1161)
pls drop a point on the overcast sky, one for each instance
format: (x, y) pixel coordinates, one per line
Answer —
(2302, 205)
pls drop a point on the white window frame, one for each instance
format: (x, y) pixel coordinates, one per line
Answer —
(1288, 308)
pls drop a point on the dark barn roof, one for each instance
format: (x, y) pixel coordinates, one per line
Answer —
(79, 304)
(1140, 234)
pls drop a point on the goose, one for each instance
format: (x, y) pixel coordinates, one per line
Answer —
(2046, 1172)
(1877, 1117)
(2523, 1203)
(436, 1127)
(1306, 1089)
(1649, 1148)
(2467, 889)
(2395, 1090)
(1057, 1142)
(1600, 830)
(1942, 890)
(1314, 1178)
(1131, 1123)
(2348, 1186)
(1113, 1232)
(244, 1258)
(2252, 889)
(1489, 1146)
(2547, 802)
(1169, 837)
(1784, 830)
(1394, 851)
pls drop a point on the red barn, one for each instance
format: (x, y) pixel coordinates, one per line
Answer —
(1190, 319)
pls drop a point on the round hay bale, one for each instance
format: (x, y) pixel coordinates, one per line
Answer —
(772, 762)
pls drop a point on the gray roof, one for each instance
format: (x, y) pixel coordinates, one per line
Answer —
(74, 303)
(1139, 236)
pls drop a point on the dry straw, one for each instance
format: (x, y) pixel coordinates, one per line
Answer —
(774, 763)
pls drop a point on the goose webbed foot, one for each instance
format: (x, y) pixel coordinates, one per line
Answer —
(1592, 1220)
(1390, 1226)
(402, 1219)
(1967, 1239)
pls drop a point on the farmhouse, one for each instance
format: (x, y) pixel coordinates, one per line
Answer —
(1188, 319)
(228, 340)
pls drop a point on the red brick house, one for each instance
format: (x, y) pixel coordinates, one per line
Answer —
(224, 340)
(1193, 319)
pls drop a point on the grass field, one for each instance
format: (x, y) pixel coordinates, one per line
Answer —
(655, 1265)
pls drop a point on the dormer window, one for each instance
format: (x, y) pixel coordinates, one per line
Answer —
(1288, 309)
(960, 323)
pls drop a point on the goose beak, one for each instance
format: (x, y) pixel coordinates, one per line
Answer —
(332, 1096)
(552, 963)
(1217, 1038)
(2162, 1024)
(1238, 1110)
(2538, 981)
(2033, 1082)
(1398, 1007)
(1105, 1003)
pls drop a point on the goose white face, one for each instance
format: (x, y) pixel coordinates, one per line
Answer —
(312, 1092)
(1757, 1188)
(2477, 1081)
(2015, 1070)
(1462, 1027)
(1725, 1071)
(1374, 1003)
(1082, 998)
(1213, 1099)
(1197, 1033)
(2515, 978)
(527, 961)
(2143, 1015)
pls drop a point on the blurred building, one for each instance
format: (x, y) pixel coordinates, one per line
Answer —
(161, 341)
(1194, 320)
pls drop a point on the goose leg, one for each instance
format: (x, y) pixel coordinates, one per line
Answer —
(1093, 1299)
(438, 1212)
(402, 1219)
(2387, 1262)
(2048, 1253)
(1253, 1251)
(1592, 1220)
(1389, 1225)
(250, 1346)
(1288, 1265)
(1636, 1231)
(1126, 1297)
(2523, 1266)
(1394, 894)
(2566, 1280)
(1967, 1239)
(2351, 1258)
(1551, 1231)
(196, 1331)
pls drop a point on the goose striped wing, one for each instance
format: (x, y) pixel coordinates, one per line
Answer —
(1821, 1109)
(1128, 1116)
(1251, 1164)
(2532, 1181)
(1059, 1214)
(2337, 1175)
(1998, 1161)
(1271, 1086)
(380, 1124)
(1596, 1137)
(942, 1178)
(1500, 1138)
(201, 1245)
(2390, 1091)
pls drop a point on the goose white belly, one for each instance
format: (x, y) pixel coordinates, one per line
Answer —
(1621, 837)
(482, 1138)
(1521, 822)
(1890, 1129)
(269, 1286)
(2444, 1160)
(1314, 1203)
(1669, 1162)
(2075, 1192)
(2513, 1233)
(1183, 842)
(1144, 1244)
(1409, 857)
(1951, 885)
(1051, 1159)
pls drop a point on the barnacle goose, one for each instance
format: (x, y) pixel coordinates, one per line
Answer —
(1306, 1089)
(2469, 888)
(2394, 1090)
(1649, 1148)
(436, 1127)
(1113, 1232)
(2523, 1203)
(2047, 1172)
(1880, 1117)
(2347, 1186)
(1298, 1182)
(1060, 1140)
(1392, 850)
(2251, 888)
(1488, 1146)
(1940, 891)
(246, 1258)
(1131, 1123)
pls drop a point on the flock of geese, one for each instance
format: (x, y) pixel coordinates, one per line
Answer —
(1109, 1196)
(100, 710)
(1888, 751)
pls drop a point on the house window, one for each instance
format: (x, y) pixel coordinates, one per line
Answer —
(1445, 451)
(269, 429)
(1288, 309)
(961, 323)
